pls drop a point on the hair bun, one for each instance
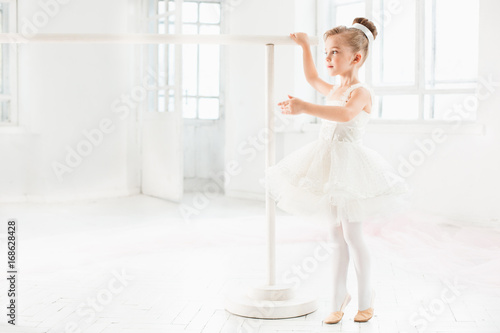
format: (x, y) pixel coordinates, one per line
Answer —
(367, 23)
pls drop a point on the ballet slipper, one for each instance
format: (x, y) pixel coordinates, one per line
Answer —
(336, 316)
(365, 315)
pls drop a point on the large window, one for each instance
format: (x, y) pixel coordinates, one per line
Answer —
(8, 65)
(424, 60)
(200, 63)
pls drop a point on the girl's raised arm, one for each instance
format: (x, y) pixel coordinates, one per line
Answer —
(310, 71)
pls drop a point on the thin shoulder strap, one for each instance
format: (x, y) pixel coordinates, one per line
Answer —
(346, 94)
(354, 86)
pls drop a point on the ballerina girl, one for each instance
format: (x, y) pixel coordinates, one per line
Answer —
(336, 175)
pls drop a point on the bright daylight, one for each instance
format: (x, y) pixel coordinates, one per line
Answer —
(249, 166)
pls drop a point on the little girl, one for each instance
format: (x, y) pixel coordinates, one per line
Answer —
(336, 175)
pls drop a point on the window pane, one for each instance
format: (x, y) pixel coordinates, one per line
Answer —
(394, 47)
(209, 108)
(189, 69)
(210, 29)
(190, 29)
(189, 107)
(209, 13)
(402, 107)
(190, 12)
(5, 111)
(162, 6)
(346, 13)
(451, 56)
(171, 29)
(209, 70)
(171, 6)
(200, 63)
(161, 101)
(161, 26)
(171, 100)
(450, 107)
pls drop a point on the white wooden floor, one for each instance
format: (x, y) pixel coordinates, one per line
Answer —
(134, 265)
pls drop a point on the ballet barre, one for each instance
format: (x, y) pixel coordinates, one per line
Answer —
(16, 38)
(270, 301)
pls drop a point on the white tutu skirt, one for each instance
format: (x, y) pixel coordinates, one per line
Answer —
(337, 180)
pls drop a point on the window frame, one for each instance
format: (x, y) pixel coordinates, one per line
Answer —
(170, 88)
(419, 87)
(151, 59)
(12, 70)
(198, 96)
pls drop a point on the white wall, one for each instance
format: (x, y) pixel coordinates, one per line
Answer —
(459, 180)
(65, 89)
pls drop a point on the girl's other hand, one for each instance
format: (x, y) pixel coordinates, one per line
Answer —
(291, 106)
(300, 38)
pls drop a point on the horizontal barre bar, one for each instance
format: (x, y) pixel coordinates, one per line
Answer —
(12, 38)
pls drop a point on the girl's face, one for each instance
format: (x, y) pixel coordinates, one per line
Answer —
(339, 57)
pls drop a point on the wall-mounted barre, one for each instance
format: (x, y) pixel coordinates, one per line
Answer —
(14, 38)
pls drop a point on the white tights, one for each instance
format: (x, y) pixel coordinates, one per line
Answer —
(348, 240)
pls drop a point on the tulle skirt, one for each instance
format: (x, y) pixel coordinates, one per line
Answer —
(337, 180)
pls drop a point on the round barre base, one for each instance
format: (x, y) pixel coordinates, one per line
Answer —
(270, 302)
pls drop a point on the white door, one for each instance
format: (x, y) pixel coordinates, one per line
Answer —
(162, 155)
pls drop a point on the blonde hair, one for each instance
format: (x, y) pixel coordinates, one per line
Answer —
(355, 38)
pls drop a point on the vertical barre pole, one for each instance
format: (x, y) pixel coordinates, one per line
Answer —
(270, 160)
(270, 301)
